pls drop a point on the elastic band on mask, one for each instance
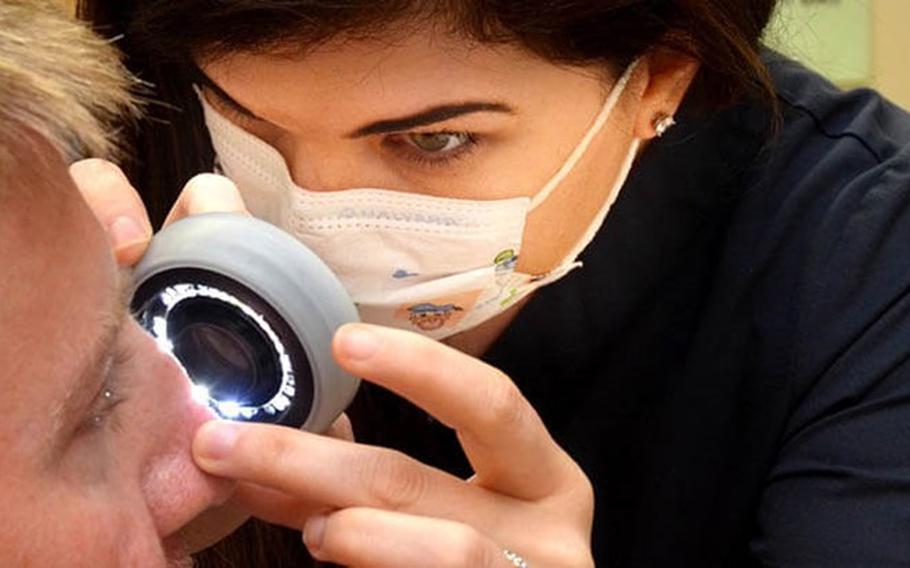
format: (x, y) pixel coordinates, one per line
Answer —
(601, 216)
(582, 146)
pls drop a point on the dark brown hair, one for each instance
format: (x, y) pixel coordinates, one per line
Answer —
(258, 544)
(162, 38)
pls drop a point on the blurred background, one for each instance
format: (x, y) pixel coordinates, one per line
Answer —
(856, 43)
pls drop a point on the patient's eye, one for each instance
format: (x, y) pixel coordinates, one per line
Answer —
(112, 394)
(106, 405)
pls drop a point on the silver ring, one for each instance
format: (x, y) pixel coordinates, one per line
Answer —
(515, 559)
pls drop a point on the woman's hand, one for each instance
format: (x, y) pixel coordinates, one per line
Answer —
(120, 211)
(372, 507)
(367, 506)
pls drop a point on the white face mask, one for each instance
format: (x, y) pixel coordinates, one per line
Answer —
(430, 264)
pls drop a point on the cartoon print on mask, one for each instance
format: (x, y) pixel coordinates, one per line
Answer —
(429, 317)
(402, 273)
(505, 263)
(438, 313)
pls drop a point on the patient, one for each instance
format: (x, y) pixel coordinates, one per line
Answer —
(95, 422)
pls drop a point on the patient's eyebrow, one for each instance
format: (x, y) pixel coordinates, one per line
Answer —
(83, 385)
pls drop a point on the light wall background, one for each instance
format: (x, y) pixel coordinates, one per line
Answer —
(854, 42)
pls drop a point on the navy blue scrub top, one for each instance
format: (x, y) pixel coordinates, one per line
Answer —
(731, 366)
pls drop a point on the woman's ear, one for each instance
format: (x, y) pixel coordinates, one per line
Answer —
(668, 75)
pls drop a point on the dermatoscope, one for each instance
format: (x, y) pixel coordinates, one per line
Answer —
(249, 312)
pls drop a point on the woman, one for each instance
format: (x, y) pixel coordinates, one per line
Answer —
(727, 368)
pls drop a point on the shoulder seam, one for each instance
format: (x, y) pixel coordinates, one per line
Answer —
(831, 135)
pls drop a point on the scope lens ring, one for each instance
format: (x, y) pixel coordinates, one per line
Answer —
(243, 358)
(249, 312)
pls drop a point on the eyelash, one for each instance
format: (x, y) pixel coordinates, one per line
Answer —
(234, 113)
(109, 398)
(397, 143)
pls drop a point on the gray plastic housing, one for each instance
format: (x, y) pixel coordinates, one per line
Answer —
(284, 273)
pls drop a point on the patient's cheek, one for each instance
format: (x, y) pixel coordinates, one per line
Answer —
(89, 461)
(58, 523)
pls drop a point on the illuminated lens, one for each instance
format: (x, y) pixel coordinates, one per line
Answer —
(243, 358)
(225, 350)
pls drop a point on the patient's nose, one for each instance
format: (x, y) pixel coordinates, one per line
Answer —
(175, 490)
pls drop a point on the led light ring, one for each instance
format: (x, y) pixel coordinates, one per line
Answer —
(150, 306)
(284, 274)
(173, 295)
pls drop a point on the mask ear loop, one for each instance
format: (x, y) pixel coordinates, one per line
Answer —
(602, 214)
(583, 144)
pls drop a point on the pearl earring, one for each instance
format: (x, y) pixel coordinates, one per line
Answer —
(662, 123)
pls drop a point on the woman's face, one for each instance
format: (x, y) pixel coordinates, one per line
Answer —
(440, 116)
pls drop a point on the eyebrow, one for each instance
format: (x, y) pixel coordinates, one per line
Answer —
(429, 116)
(80, 393)
(426, 117)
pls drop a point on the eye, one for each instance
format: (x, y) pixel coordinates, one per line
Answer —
(228, 108)
(105, 407)
(236, 115)
(432, 148)
(439, 142)
(108, 398)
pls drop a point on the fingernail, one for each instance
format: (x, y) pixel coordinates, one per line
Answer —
(216, 440)
(313, 532)
(125, 231)
(358, 343)
(130, 254)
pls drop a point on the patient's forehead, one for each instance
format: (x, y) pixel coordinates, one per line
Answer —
(35, 188)
(57, 276)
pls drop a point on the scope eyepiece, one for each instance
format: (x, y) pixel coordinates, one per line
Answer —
(249, 312)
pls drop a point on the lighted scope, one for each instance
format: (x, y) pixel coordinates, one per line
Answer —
(249, 312)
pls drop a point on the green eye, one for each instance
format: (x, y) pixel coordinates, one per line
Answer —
(439, 142)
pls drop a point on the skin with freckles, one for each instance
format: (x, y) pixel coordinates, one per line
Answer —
(96, 421)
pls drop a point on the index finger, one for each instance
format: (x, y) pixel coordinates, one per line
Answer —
(502, 435)
(116, 205)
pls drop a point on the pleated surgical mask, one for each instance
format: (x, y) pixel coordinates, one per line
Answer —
(435, 265)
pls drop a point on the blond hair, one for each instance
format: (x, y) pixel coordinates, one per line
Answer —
(61, 81)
